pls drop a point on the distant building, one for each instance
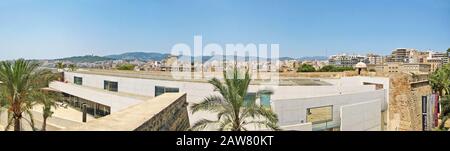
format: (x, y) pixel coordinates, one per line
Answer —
(375, 59)
(392, 68)
(344, 60)
(399, 55)
(415, 68)
(418, 56)
(435, 63)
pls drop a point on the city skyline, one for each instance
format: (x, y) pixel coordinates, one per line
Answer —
(56, 29)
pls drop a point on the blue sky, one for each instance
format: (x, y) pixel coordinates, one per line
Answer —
(59, 28)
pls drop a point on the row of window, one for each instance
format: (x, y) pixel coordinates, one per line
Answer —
(114, 86)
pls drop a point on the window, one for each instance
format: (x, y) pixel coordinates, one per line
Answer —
(319, 114)
(161, 90)
(249, 98)
(111, 86)
(78, 80)
(265, 100)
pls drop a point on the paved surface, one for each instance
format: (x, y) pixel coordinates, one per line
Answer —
(64, 113)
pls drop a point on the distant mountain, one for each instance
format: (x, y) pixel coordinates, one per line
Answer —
(312, 58)
(84, 59)
(143, 56)
(146, 56)
(286, 58)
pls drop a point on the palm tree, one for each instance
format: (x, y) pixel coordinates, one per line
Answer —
(21, 83)
(233, 111)
(440, 80)
(60, 66)
(445, 112)
(440, 83)
(48, 100)
(72, 67)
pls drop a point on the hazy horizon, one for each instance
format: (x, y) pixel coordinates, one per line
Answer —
(51, 29)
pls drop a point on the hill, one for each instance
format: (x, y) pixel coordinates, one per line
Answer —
(143, 56)
(87, 58)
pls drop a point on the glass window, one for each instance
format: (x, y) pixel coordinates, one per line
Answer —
(161, 90)
(265, 100)
(78, 80)
(111, 86)
(249, 98)
(319, 114)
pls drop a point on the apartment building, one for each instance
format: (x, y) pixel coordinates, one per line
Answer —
(375, 59)
(344, 60)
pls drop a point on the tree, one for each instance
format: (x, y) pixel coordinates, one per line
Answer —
(60, 66)
(445, 112)
(48, 100)
(21, 82)
(440, 83)
(306, 68)
(126, 66)
(440, 80)
(327, 68)
(331, 68)
(233, 111)
(73, 67)
(448, 52)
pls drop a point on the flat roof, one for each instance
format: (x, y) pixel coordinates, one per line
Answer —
(160, 75)
(115, 100)
(130, 118)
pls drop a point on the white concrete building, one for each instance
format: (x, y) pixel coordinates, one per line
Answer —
(353, 103)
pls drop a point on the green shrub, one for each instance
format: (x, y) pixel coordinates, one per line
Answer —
(126, 66)
(331, 68)
(306, 68)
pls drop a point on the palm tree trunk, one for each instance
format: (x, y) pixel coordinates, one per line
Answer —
(44, 124)
(442, 125)
(16, 123)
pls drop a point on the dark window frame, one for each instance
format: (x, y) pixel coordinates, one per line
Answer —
(112, 86)
(78, 80)
(159, 90)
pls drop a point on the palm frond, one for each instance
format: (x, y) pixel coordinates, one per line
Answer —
(211, 103)
(202, 124)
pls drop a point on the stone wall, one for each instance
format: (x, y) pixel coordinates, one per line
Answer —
(167, 112)
(405, 104)
(173, 118)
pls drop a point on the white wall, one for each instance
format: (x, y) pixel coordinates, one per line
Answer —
(196, 91)
(364, 116)
(293, 111)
